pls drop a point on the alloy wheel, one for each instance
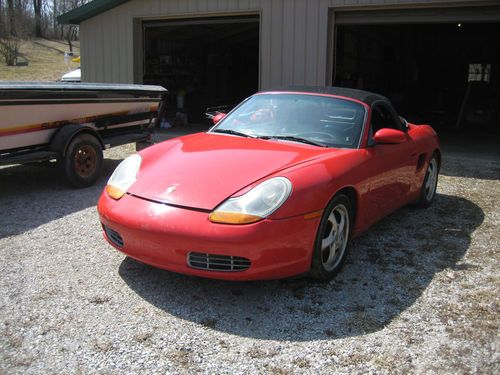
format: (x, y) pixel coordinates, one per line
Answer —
(431, 182)
(335, 237)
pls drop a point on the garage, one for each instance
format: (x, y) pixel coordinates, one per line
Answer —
(437, 61)
(204, 62)
(440, 65)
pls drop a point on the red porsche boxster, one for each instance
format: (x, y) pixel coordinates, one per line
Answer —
(278, 187)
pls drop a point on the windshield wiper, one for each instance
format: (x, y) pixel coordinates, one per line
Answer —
(232, 132)
(293, 139)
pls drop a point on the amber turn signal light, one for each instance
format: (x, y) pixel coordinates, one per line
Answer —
(233, 218)
(114, 192)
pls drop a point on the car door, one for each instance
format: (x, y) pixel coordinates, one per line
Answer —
(390, 166)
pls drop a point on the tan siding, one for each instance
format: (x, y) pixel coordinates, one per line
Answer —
(122, 52)
(202, 6)
(322, 42)
(155, 7)
(294, 36)
(223, 4)
(96, 47)
(85, 50)
(272, 30)
(311, 51)
(243, 4)
(300, 41)
(212, 5)
(128, 42)
(107, 29)
(164, 7)
(115, 57)
(182, 6)
(288, 41)
(256, 4)
(99, 51)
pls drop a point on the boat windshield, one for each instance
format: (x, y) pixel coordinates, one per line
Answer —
(313, 119)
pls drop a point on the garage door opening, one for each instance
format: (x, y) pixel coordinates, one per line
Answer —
(445, 74)
(202, 62)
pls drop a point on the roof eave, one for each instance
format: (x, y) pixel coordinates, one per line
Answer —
(86, 11)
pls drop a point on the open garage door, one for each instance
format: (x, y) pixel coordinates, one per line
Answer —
(202, 62)
(437, 65)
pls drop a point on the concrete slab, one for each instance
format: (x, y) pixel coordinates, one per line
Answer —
(471, 145)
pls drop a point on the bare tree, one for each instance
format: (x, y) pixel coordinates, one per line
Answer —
(38, 18)
(2, 22)
(9, 48)
(10, 16)
(54, 15)
(37, 8)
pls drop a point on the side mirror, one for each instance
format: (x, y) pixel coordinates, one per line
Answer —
(391, 136)
(404, 122)
(219, 116)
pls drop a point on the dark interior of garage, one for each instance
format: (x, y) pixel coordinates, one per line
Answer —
(447, 75)
(202, 62)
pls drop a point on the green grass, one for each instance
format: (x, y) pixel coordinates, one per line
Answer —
(45, 61)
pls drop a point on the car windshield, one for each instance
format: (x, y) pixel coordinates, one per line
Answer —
(313, 119)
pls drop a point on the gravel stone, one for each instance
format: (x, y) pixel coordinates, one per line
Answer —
(419, 293)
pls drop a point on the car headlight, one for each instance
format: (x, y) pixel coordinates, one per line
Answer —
(255, 205)
(123, 177)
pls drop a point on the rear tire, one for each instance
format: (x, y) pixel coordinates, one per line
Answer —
(333, 239)
(82, 163)
(428, 190)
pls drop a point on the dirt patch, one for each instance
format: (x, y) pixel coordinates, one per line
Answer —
(45, 62)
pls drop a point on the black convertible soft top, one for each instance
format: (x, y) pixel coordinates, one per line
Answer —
(361, 95)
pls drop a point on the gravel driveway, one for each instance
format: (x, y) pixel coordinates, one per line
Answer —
(418, 294)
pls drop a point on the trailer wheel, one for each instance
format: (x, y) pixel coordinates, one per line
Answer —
(81, 165)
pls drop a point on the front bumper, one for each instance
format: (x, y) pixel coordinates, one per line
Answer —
(165, 236)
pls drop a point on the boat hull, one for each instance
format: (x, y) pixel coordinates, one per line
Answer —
(30, 114)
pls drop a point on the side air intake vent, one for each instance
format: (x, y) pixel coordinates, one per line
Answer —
(113, 236)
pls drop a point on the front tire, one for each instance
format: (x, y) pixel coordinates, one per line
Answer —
(333, 239)
(428, 190)
(81, 166)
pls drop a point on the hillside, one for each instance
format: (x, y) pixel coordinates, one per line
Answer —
(45, 61)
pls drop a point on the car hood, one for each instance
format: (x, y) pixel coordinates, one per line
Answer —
(202, 170)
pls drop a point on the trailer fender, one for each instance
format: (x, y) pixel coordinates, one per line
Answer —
(61, 140)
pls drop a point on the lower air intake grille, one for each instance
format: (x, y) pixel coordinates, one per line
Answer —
(113, 236)
(212, 262)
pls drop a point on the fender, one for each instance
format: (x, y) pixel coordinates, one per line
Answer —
(61, 140)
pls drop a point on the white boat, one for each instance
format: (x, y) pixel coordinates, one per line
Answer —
(31, 113)
(39, 120)
(73, 76)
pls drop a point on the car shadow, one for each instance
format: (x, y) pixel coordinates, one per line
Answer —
(388, 268)
(32, 195)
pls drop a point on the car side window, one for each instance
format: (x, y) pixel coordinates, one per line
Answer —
(379, 120)
(382, 117)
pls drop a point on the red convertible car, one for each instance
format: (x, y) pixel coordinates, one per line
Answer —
(278, 187)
